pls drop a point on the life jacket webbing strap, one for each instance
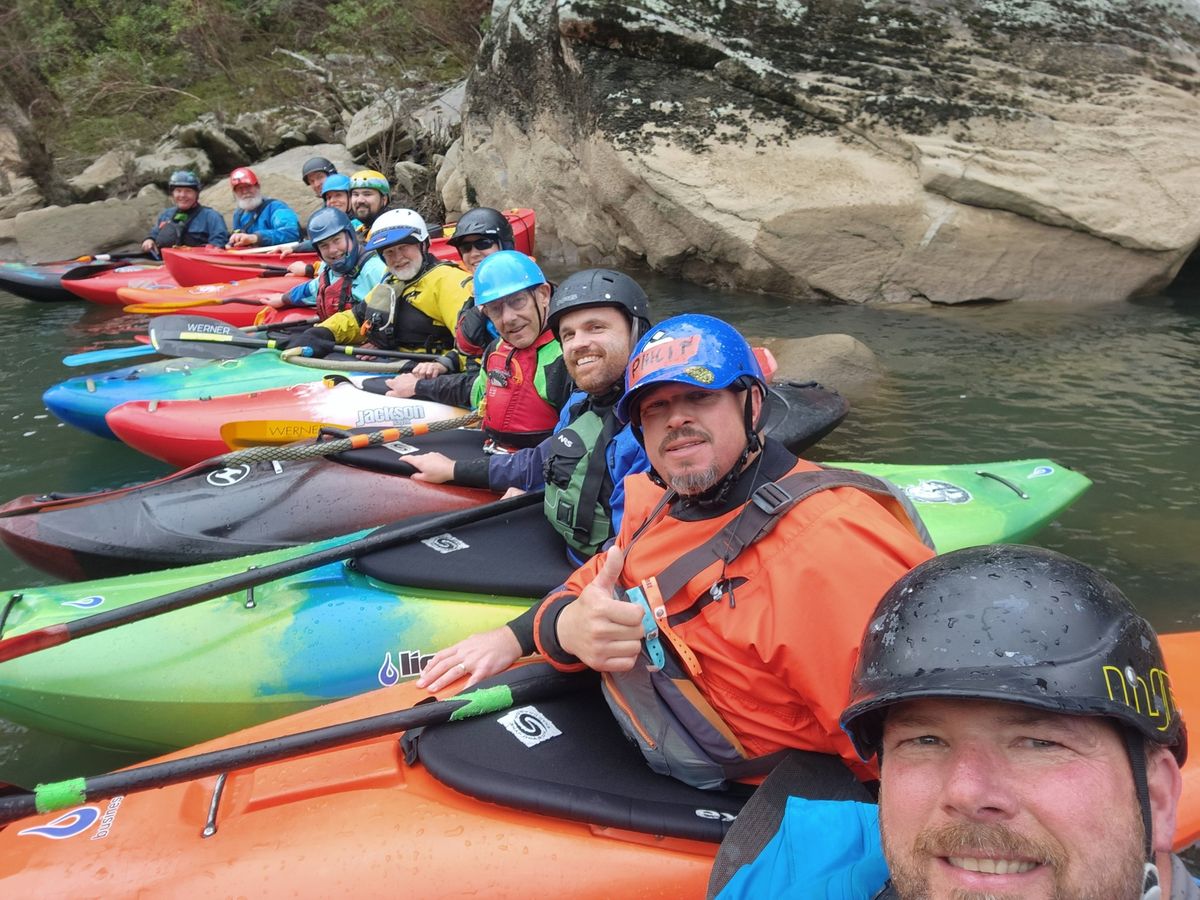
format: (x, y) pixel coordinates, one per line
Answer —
(593, 480)
(766, 506)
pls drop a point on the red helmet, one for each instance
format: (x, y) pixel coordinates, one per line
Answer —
(243, 176)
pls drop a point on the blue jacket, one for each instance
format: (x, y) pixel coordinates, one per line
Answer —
(372, 272)
(207, 227)
(273, 222)
(524, 469)
(826, 849)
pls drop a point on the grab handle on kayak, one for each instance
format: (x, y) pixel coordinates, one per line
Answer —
(1004, 481)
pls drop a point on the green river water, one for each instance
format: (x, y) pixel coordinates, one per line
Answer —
(1110, 390)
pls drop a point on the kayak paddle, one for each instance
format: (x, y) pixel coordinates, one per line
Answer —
(259, 440)
(206, 338)
(382, 538)
(45, 798)
(113, 353)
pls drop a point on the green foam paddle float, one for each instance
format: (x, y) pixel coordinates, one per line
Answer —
(388, 536)
(544, 682)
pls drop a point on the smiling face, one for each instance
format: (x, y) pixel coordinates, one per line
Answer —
(334, 248)
(519, 318)
(249, 196)
(596, 343)
(403, 260)
(184, 198)
(987, 799)
(338, 200)
(474, 250)
(693, 436)
(366, 203)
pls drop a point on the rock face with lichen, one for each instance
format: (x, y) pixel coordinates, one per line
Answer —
(873, 151)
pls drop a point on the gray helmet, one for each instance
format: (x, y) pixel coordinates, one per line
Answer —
(184, 178)
(316, 164)
(1017, 624)
(600, 287)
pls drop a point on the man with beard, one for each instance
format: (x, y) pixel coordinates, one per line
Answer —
(258, 220)
(1028, 742)
(187, 223)
(417, 315)
(369, 192)
(597, 316)
(1047, 770)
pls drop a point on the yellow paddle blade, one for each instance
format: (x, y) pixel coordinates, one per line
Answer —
(150, 309)
(259, 432)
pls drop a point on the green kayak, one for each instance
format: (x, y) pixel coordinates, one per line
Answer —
(344, 628)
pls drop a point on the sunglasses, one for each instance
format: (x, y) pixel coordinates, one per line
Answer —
(483, 243)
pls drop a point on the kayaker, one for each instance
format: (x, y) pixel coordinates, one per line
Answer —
(348, 272)
(187, 223)
(417, 315)
(478, 233)
(369, 193)
(314, 172)
(761, 632)
(523, 384)
(259, 220)
(1028, 741)
(335, 191)
(597, 316)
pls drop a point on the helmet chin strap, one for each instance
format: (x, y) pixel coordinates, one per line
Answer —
(1135, 746)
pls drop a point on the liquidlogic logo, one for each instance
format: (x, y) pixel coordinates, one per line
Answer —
(85, 602)
(408, 664)
(76, 822)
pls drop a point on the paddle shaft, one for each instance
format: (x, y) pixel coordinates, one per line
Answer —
(95, 356)
(53, 635)
(60, 795)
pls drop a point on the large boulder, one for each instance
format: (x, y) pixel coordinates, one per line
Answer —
(838, 361)
(156, 167)
(18, 192)
(110, 173)
(885, 151)
(61, 232)
(280, 178)
(207, 133)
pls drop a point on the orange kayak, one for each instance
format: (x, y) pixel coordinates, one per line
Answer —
(495, 806)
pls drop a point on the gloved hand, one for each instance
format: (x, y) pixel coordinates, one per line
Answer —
(317, 341)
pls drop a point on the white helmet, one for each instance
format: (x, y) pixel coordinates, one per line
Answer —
(396, 225)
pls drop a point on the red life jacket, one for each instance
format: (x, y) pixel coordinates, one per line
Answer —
(516, 404)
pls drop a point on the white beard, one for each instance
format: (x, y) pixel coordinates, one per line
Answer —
(249, 203)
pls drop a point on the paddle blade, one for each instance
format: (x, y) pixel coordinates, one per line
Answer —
(270, 432)
(102, 356)
(202, 337)
(24, 644)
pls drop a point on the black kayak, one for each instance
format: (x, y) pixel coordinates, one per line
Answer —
(205, 513)
(42, 282)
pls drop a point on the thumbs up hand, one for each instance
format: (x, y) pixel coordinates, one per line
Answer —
(603, 632)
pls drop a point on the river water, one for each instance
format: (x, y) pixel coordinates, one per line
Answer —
(1110, 390)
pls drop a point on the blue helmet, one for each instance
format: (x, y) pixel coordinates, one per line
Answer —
(505, 272)
(691, 349)
(327, 222)
(335, 182)
(184, 178)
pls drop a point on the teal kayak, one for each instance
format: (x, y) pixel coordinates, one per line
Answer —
(345, 628)
(83, 401)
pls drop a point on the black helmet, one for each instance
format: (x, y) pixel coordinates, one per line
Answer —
(600, 287)
(1018, 624)
(316, 164)
(184, 178)
(483, 221)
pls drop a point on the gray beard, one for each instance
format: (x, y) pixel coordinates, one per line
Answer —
(249, 205)
(695, 482)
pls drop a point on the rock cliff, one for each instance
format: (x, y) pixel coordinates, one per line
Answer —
(874, 151)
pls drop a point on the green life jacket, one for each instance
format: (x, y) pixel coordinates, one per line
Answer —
(578, 483)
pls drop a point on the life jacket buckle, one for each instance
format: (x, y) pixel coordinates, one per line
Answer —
(771, 498)
(654, 649)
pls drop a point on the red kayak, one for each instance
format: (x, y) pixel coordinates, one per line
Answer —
(102, 287)
(236, 302)
(208, 265)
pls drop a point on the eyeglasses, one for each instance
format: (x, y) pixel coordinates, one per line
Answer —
(495, 309)
(482, 243)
